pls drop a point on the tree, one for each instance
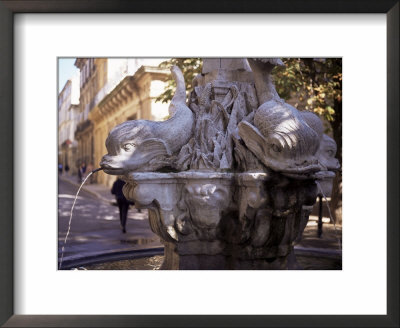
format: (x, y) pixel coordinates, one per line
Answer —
(313, 84)
(190, 67)
(316, 85)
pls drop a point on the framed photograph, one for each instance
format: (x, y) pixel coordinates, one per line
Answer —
(35, 34)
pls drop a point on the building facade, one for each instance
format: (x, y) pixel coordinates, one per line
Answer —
(68, 111)
(93, 77)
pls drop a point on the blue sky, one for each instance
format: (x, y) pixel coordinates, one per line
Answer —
(66, 70)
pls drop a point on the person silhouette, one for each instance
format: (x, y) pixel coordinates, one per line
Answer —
(81, 172)
(123, 203)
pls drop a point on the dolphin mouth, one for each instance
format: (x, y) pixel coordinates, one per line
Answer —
(311, 168)
(307, 169)
(301, 172)
(112, 170)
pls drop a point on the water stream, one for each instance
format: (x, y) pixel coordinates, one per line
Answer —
(70, 216)
(330, 214)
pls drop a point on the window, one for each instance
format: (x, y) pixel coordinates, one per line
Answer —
(132, 117)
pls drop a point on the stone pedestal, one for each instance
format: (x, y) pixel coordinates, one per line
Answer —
(214, 220)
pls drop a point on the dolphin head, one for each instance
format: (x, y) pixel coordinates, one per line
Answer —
(130, 146)
(282, 140)
(326, 154)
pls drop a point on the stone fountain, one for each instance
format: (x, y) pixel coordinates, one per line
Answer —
(229, 178)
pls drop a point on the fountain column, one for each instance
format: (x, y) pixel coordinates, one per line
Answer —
(238, 192)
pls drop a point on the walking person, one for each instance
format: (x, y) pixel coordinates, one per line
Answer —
(123, 203)
(66, 169)
(81, 172)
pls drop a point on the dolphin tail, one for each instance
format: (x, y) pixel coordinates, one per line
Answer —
(262, 68)
(180, 94)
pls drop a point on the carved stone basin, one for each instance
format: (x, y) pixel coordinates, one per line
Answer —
(216, 220)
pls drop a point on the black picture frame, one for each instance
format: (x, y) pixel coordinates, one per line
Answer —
(10, 7)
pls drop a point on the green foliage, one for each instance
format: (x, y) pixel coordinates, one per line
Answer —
(190, 67)
(315, 84)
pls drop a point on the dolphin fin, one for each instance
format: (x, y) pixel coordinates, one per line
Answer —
(153, 147)
(253, 139)
(150, 155)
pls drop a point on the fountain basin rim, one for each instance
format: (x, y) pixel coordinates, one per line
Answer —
(157, 177)
(109, 256)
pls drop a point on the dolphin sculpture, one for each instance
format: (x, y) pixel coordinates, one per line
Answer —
(280, 137)
(327, 146)
(143, 145)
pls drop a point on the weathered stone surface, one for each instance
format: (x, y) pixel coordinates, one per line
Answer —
(326, 157)
(232, 64)
(235, 216)
(237, 170)
(147, 145)
(280, 136)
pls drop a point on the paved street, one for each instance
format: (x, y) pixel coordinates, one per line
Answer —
(95, 227)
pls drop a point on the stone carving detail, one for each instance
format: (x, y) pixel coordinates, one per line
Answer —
(326, 154)
(326, 157)
(236, 169)
(280, 136)
(215, 132)
(147, 145)
(248, 220)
